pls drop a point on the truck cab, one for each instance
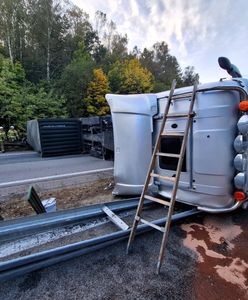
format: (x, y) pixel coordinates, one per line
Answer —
(213, 176)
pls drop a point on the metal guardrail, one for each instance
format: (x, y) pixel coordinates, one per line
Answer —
(23, 265)
(12, 229)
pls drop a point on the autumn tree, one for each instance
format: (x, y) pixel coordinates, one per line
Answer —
(95, 103)
(129, 77)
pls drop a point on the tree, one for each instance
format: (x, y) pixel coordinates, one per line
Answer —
(21, 101)
(189, 76)
(13, 27)
(80, 30)
(75, 79)
(53, 49)
(162, 65)
(115, 43)
(45, 39)
(38, 103)
(129, 77)
(12, 79)
(95, 103)
(136, 53)
(100, 22)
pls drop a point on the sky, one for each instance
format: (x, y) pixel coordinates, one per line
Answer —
(197, 31)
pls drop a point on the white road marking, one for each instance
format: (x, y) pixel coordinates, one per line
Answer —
(53, 177)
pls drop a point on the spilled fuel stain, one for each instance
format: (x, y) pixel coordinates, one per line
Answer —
(220, 245)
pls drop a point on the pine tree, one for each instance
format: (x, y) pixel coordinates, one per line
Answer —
(95, 103)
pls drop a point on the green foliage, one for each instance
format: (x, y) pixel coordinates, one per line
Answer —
(95, 103)
(58, 48)
(130, 77)
(162, 65)
(75, 79)
(20, 100)
(41, 104)
(189, 76)
(159, 86)
(165, 67)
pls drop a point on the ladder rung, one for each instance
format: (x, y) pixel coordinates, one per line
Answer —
(172, 133)
(149, 224)
(163, 177)
(180, 115)
(160, 201)
(168, 154)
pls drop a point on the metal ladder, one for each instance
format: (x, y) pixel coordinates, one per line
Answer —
(150, 174)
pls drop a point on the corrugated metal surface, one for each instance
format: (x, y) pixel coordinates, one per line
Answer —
(60, 136)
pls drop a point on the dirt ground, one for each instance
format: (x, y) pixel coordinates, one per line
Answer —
(95, 192)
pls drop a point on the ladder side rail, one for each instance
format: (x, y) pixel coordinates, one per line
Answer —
(178, 173)
(191, 154)
(151, 166)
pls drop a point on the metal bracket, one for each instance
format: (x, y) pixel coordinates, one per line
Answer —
(115, 219)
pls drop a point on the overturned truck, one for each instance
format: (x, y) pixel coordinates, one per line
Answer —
(214, 171)
(97, 136)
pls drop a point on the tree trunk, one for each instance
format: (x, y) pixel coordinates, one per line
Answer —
(10, 47)
(21, 48)
(48, 53)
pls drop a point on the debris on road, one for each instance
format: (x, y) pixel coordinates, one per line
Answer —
(35, 201)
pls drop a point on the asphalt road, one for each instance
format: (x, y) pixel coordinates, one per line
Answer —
(29, 165)
(20, 170)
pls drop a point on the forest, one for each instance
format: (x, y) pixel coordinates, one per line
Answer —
(55, 62)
